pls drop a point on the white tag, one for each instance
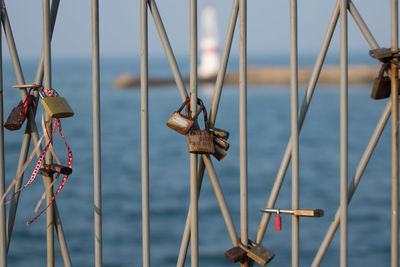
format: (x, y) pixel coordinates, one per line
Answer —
(180, 121)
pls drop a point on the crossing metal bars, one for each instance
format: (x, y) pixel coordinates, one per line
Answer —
(199, 167)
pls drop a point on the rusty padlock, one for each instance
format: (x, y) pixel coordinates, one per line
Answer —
(221, 143)
(18, 115)
(50, 169)
(180, 123)
(254, 251)
(201, 141)
(219, 153)
(236, 254)
(220, 133)
(381, 88)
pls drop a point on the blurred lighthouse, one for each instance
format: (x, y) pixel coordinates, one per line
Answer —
(209, 51)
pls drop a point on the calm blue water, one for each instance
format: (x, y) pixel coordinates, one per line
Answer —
(268, 133)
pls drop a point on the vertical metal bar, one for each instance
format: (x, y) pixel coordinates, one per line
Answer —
(354, 183)
(144, 133)
(48, 179)
(303, 112)
(343, 132)
(194, 252)
(3, 237)
(243, 121)
(186, 232)
(168, 50)
(395, 135)
(53, 15)
(294, 130)
(98, 237)
(213, 112)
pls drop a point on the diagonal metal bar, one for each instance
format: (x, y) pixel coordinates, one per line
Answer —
(168, 50)
(186, 233)
(31, 130)
(303, 111)
(363, 26)
(224, 62)
(354, 183)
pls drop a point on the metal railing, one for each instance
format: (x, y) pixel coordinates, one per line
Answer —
(200, 164)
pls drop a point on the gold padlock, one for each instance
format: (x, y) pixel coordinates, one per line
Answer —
(180, 123)
(201, 141)
(56, 106)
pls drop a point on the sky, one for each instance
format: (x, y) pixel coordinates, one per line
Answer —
(268, 26)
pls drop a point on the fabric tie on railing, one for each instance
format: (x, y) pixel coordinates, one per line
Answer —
(64, 180)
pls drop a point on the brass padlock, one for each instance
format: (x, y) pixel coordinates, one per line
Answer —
(18, 115)
(201, 141)
(381, 88)
(180, 123)
(259, 254)
(56, 106)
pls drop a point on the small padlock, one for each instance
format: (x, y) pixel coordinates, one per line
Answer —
(220, 133)
(56, 106)
(50, 169)
(236, 254)
(201, 141)
(180, 123)
(18, 115)
(257, 252)
(219, 153)
(221, 143)
(381, 88)
(278, 221)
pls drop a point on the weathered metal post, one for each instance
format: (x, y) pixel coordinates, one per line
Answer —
(243, 122)
(98, 236)
(144, 133)
(294, 130)
(194, 252)
(343, 132)
(395, 135)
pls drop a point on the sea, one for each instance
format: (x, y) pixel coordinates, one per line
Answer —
(268, 114)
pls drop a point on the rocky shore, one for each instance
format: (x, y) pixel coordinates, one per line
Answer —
(358, 74)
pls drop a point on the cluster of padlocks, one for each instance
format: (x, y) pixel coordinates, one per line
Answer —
(207, 141)
(382, 88)
(57, 107)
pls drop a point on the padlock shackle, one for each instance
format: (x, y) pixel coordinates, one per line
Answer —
(384, 67)
(187, 108)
